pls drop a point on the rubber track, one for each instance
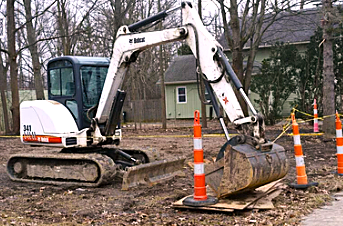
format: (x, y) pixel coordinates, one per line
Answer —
(103, 165)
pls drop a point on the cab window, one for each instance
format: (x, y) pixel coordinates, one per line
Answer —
(92, 81)
(62, 81)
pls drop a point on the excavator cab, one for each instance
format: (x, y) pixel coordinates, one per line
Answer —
(77, 82)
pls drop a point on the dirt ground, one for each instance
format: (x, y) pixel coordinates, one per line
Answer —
(38, 204)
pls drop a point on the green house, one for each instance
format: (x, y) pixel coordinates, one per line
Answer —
(181, 88)
(293, 27)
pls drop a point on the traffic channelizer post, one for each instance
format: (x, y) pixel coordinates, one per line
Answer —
(339, 145)
(200, 198)
(302, 181)
(315, 113)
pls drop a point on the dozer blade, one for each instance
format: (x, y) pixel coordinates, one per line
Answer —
(244, 168)
(89, 170)
(151, 173)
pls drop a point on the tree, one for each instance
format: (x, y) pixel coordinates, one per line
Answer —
(163, 91)
(276, 81)
(246, 27)
(13, 65)
(310, 79)
(68, 26)
(151, 64)
(3, 89)
(202, 90)
(338, 65)
(328, 72)
(31, 37)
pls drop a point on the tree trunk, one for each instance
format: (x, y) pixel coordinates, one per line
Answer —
(31, 36)
(63, 27)
(235, 45)
(163, 92)
(245, 24)
(203, 106)
(13, 66)
(328, 73)
(3, 88)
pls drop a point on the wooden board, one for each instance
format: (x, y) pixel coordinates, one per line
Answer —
(216, 207)
(240, 202)
(266, 201)
(261, 198)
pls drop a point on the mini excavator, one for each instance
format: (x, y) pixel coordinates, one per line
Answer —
(82, 116)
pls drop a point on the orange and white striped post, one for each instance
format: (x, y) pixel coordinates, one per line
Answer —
(315, 113)
(339, 145)
(200, 198)
(199, 170)
(299, 158)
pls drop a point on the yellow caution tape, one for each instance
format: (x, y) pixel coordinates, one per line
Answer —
(312, 116)
(8, 136)
(307, 134)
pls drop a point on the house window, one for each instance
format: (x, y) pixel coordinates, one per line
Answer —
(181, 95)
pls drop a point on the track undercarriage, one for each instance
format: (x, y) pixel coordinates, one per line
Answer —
(93, 167)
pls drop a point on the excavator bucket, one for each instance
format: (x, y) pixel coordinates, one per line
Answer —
(243, 167)
(152, 173)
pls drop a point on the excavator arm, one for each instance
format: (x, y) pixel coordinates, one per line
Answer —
(213, 67)
(245, 161)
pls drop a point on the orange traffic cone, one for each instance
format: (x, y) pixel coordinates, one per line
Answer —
(315, 113)
(200, 198)
(339, 145)
(299, 159)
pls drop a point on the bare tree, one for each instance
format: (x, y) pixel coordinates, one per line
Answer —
(31, 37)
(328, 73)
(202, 90)
(13, 65)
(247, 27)
(163, 92)
(69, 28)
(3, 89)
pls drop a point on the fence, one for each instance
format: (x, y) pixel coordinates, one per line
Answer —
(143, 110)
(23, 95)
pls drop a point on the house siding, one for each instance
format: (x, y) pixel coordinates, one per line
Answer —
(186, 110)
(264, 52)
(183, 110)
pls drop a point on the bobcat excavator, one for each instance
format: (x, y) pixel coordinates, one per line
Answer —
(82, 116)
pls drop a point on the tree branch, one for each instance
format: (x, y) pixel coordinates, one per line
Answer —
(35, 16)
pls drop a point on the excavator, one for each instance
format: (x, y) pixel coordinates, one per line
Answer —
(82, 116)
